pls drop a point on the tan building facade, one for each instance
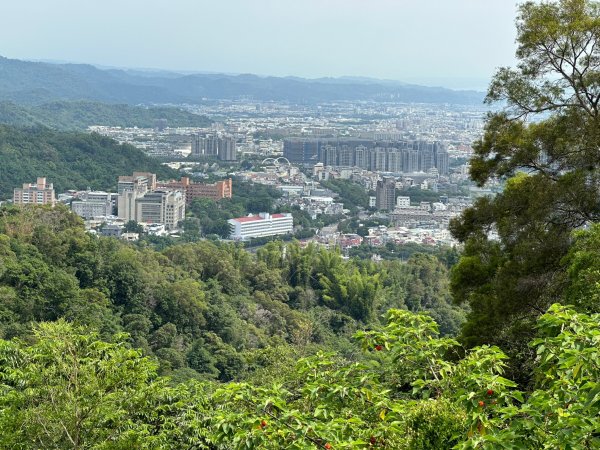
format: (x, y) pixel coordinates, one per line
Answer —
(39, 193)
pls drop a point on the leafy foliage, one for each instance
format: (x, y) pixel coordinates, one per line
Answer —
(544, 143)
(410, 389)
(352, 195)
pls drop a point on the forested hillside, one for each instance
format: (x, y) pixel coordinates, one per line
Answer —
(203, 306)
(78, 115)
(69, 160)
(134, 347)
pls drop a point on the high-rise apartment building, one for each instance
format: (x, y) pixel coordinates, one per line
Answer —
(346, 156)
(399, 156)
(386, 194)
(223, 147)
(206, 145)
(329, 157)
(227, 150)
(38, 193)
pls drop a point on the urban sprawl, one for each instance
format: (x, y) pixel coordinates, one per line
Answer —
(397, 153)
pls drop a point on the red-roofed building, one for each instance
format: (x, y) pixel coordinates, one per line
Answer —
(261, 225)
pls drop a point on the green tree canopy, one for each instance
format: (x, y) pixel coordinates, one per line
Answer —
(545, 140)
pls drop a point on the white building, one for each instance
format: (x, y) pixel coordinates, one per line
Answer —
(92, 204)
(262, 225)
(129, 190)
(140, 200)
(402, 202)
(163, 207)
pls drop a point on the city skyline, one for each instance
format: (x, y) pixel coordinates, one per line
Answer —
(456, 44)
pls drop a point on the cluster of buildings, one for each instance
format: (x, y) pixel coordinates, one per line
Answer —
(428, 215)
(402, 235)
(158, 205)
(157, 142)
(220, 146)
(381, 235)
(400, 156)
(139, 197)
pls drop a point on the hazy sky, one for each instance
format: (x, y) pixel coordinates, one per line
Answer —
(406, 40)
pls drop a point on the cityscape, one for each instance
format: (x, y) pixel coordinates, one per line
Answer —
(390, 152)
(265, 225)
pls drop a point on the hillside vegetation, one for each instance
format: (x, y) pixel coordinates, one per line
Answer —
(69, 160)
(78, 115)
(134, 346)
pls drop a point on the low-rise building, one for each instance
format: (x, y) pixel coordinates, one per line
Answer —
(261, 225)
(112, 230)
(403, 202)
(214, 191)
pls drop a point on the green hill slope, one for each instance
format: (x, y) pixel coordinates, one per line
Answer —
(63, 115)
(69, 160)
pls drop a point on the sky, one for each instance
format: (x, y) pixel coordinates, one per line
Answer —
(454, 43)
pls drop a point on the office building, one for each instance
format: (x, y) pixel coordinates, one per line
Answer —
(92, 204)
(129, 189)
(38, 193)
(141, 199)
(163, 207)
(261, 225)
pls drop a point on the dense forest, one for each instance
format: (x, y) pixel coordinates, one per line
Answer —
(204, 345)
(78, 115)
(69, 160)
(187, 299)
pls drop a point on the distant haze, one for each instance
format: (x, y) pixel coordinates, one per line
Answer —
(452, 43)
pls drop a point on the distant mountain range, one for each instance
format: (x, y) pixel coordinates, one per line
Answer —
(26, 82)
